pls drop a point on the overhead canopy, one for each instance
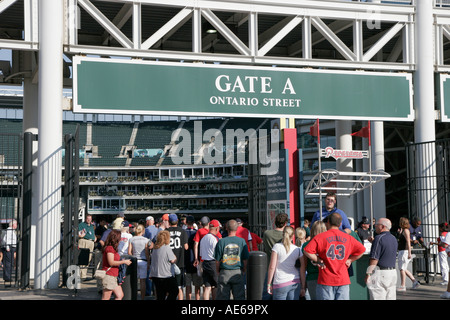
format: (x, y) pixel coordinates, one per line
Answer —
(349, 182)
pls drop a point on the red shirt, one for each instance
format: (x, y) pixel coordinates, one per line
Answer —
(114, 271)
(255, 241)
(243, 233)
(203, 232)
(334, 247)
(439, 240)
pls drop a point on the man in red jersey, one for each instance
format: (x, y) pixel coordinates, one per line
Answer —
(333, 251)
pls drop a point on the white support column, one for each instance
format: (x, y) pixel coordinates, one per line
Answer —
(379, 189)
(48, 228)
(253, 33)
(366, 212)
(137, 25)
(306, 38)
(197, 31)
(424, 126)
(344, 142)
(358, 39)
(30, 124)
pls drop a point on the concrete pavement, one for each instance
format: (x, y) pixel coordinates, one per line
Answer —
(88, 291)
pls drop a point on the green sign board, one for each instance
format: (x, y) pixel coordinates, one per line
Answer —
(197, 89)
(444, 94)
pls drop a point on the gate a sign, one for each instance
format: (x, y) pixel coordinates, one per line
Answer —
(121, 86)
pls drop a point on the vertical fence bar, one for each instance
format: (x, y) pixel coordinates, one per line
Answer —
(25, 221)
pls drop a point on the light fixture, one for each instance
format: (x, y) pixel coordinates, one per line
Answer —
(209, 28)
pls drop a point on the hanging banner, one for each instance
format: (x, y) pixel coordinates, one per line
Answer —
(122, 86)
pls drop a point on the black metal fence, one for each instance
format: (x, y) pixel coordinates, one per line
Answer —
(10, 204)
(428, 179)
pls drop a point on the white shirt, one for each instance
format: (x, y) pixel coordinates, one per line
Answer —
(285, 270)
(123, 244)
(207, 246)
(9, 238)
(446, 240)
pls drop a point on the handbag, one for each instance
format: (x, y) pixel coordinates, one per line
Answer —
(100, 274)
(175, 270)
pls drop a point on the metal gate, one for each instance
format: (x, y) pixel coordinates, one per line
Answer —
(11, 178)
(436, 181)
(429, 192)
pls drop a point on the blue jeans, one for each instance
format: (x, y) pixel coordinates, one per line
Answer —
(332, 292)
(290, 292)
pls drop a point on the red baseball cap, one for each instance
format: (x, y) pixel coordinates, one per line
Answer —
(165, 217)
(214, 223)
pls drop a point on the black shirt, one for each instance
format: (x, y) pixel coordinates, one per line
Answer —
(363, 234)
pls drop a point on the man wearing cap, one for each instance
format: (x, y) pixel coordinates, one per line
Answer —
(363, 231)
(199, 235)
(118, 222)
(163, 222)
(207, 246)
(178, 244)
(150, 229)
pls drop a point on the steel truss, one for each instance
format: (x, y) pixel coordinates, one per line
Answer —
(362, 35)
(308, 14)
(397, 23)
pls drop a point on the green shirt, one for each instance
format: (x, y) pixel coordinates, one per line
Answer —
(231, 252)
(90, 231)
(312, 272)
(270, 237)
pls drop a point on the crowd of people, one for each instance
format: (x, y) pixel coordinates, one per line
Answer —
(181, 258)
(174, 255)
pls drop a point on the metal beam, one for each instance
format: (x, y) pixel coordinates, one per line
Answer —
(241, 59)
(105, 23)
(280, 35)
(333, 39)
(382, 42)
(226, 32)
(125, 13)
(179, 19)
(4, 4)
